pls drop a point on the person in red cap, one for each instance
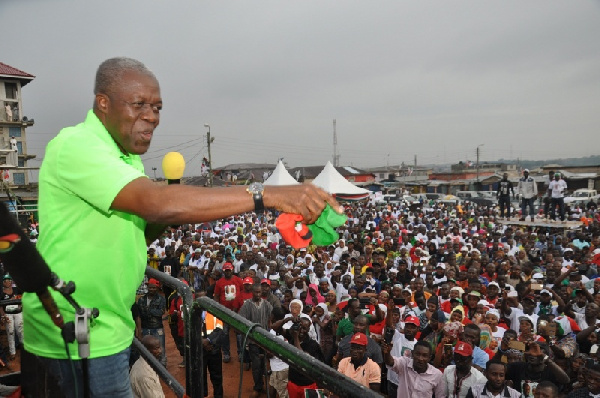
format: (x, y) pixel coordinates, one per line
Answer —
(226, 292)
(152, 306)
(403, 344)
(358, 366)
(267, 294)
(460, 377)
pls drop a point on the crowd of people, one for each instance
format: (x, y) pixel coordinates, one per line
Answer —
(440, 299)
(429, 300)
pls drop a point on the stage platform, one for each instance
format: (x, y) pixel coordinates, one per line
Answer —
(541, 223)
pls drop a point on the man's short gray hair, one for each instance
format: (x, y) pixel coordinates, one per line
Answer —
(110, 73)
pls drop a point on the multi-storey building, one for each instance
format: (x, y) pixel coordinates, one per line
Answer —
(13, 126)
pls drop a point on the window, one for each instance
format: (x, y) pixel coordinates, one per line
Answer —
(19, 147)
(21, 162)
(14, 131)
(11, 90)
(19, 178)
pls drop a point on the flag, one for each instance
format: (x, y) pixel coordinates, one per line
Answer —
(6, 175)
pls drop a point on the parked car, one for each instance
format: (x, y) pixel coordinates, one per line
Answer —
(582, 196)
(434, 196)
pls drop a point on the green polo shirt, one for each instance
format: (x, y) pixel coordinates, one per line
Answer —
(101, 250)
(346, 327)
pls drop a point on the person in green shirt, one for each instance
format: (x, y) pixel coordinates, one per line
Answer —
(98, 211)
(346, 325)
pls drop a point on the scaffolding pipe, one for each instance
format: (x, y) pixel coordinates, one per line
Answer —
(325, 376)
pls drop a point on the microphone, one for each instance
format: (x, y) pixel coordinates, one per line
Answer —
(25, 264)
(173, 166)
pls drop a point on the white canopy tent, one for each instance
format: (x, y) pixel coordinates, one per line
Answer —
(280, 176)
(333, 182)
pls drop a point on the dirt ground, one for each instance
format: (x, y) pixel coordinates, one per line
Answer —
(231, 370)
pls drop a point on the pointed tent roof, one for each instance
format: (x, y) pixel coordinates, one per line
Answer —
(333, 182)
(280, 176)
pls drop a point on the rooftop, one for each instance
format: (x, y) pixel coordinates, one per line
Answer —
(10, 71)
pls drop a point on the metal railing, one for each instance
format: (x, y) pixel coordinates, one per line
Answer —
(325, 376)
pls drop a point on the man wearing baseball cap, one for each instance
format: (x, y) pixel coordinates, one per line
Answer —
(403, 344)
(267, 294)
(460, 377)
(358, 366)
(226, 291)
(152, 306)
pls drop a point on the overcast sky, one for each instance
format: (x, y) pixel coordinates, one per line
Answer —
(403, 78)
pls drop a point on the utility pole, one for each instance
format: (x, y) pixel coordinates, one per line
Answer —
(336, 157)
(477, 164)
(208, 142)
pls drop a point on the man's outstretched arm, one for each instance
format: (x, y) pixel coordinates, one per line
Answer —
(179, 204)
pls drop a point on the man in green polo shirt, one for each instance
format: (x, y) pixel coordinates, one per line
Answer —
(346, 325)
(97, 211)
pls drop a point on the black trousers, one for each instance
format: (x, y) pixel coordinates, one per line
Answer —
(213, 365)
(257, 360)
(504, 201)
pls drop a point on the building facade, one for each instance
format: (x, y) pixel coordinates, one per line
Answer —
(13, 125)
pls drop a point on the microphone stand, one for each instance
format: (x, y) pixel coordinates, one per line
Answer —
(79, 329)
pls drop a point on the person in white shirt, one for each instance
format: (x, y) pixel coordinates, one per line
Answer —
(557, 188)
(144, 380)
(459, 378)
(527, 188)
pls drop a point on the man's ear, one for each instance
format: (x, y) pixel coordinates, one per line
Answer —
(102, 103)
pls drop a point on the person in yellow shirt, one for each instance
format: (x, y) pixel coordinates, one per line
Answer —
(152, 258)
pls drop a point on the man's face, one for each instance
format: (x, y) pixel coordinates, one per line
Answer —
(496, 374)
(528, 305)
(152, 289)
(265, 288)
(421, 356)
(492, 291)
(591, 310)
(359, 283)
(357, 352)
(419, 285)
(592, 379)
(463, 363)
(256, 293)
(156, 350)
(346, 281)
(360, 325)
(354, 309)
(132, 111)
(410, 330)
(535, 361)
(471, 337)
(303, 328)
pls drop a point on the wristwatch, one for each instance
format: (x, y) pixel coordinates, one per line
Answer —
(256, 190)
